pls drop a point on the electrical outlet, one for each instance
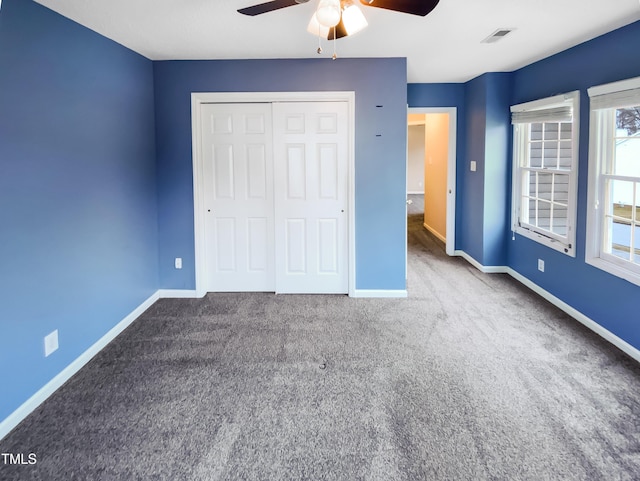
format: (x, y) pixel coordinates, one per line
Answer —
(473, 166)
(540, 265)
(51, 343)
(178, 262)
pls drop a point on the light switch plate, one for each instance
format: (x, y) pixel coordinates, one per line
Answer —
(51, 343)
(473, 166)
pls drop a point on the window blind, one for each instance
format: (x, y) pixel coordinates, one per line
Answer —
(624, 98)
(625, 93)
(555, 114)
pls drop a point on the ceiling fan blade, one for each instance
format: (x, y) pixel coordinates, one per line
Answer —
(414, 7)
(268, 7)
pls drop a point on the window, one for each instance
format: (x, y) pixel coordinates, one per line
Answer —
(545, 147)
(613, 222)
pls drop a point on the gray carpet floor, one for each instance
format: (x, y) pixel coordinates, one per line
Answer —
(472, 377)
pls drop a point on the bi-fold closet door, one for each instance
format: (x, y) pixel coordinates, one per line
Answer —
(276, 195)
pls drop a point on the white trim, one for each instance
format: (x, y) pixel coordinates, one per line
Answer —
(627, 84)
(434, 232)
(406, 211)
(577, 315)
(601, 141)
(17, 416)
(450, 242)
(178, 294)
(199, 98)
(415, 192)
(573, 312)
(380, 293)
(546, 103)
(480, 267)
(545, 240)
(519, 134)
(614, 269)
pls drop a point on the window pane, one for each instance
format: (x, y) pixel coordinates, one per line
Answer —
(636, 243)
(550, 155)
(627, 156)
(621, 198)
(565, 130)
(531, 216)
(536, 131)
(637, 204)
(528, 183)
(627, 143)
(628, 120)
(561, 188)
(620, 239)
(535, 145)
(551, 131)
(535, 155)
(544, 215)
(559, 222)
(545, 184)
(565, 155)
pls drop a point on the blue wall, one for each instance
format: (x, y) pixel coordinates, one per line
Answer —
(380, 162)
(470, 202)
(497, 169)
(608, 300)
(77, 192)
(483, 135)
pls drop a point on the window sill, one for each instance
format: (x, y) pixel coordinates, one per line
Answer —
(546, 241)
(614, 269)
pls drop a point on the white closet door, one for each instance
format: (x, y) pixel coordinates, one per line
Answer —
(238, 171)
(311, 188)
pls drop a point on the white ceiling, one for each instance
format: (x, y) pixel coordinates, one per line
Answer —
(444, 46)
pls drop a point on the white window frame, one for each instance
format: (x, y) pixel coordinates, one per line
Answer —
(565, 106)
(604, 99)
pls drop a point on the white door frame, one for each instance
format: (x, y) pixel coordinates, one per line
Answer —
(451, 170)
(199, 98)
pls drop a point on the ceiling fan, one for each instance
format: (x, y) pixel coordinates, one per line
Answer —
(335, 19)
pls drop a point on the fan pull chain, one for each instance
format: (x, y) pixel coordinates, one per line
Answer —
(335, 56)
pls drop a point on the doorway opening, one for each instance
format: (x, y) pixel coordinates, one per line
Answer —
(431, 170)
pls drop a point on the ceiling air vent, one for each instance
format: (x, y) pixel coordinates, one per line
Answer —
(498, 35)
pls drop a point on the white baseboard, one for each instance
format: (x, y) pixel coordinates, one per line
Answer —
(177, 294)
(435, 232)
(16, 417)
(577, 315)
(379, 293)
(480, 267)
(415, 192)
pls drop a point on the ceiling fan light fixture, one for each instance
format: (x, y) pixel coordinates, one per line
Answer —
(353, 19)
(316, 28)
(328, 13)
